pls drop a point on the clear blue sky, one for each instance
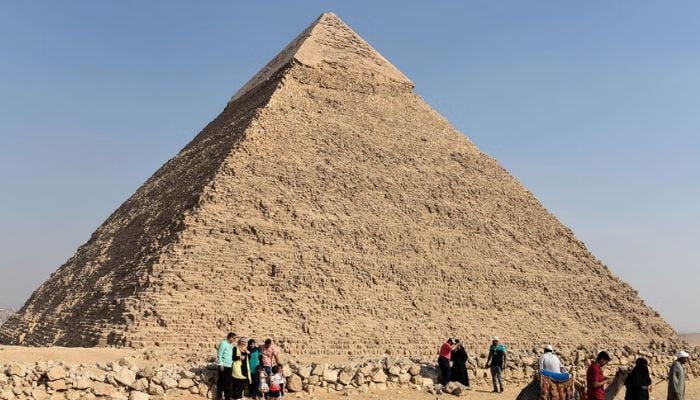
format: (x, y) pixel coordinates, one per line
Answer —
(593, 105)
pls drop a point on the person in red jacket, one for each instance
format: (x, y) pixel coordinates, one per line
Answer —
(444, 356)
(595, 380)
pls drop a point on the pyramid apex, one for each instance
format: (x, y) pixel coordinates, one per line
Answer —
(327, 40)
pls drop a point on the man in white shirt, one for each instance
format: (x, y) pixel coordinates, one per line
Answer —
(549, 361)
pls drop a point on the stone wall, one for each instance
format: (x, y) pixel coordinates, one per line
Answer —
(126, 380)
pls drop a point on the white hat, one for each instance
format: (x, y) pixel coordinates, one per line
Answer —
(494, 338)
(682, 354)
(549, 347)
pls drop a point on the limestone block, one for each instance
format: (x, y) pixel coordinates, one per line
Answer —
(319, 369)
(414, 369)
(168, 383)
(125, 377)
(56, 373)
(58, 385)
(185, 383)
(104, 389)
(141, 385)
(136, 395)
(394, 370)
(57, 396)
(379, 377)
(294, 383)
(330, 375)
(304, 371)
(39, 394)
(82, 383)
(72, 395)
(155, 389)
(345, 376)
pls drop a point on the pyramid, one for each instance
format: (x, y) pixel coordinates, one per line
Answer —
(329, 207)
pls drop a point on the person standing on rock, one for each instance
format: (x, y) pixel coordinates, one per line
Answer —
(444, 357)
(224, 360)
(254, 360)
(459, 359)
(549, 361)
(676, 377)
(595, 380)
(497, 361)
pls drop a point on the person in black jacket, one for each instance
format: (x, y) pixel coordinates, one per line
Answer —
(638, 382)
(459, 364)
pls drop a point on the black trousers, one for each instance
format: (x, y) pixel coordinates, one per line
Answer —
(238, 386)
(223, 384)
(444, 365)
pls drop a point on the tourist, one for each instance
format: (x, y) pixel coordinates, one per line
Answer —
(254, 360)
(459, 358)
(239, 369)
(224, 359)
(676, 377)
(270, 355)
(263, 387)
(638, 382)
(549, 361)
(276, 382)
(595, 380)
(444, 356)
(497, 361)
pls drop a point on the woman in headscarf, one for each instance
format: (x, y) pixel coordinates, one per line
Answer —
(240, 369)
(638, 382)
(459, 364)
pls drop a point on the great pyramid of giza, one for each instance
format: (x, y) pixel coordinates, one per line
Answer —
(328, 206)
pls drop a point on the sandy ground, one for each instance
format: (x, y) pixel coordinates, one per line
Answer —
(10, 354)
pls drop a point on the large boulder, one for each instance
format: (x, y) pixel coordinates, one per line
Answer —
(125, 377)
(294, 383)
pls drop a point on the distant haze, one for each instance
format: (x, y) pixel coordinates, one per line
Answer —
(592, 106)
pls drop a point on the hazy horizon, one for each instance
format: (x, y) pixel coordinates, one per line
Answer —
(593, 107)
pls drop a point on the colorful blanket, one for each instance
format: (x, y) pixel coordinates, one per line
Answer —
(551, 389)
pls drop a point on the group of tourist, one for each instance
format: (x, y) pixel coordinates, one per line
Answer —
(243, 365)
(453, 360)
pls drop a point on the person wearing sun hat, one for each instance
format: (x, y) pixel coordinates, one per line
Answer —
(676, 377)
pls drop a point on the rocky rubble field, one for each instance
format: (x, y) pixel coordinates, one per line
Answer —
(137, 377)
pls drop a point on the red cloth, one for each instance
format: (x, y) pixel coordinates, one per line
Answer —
(446, 350)
(595, 374)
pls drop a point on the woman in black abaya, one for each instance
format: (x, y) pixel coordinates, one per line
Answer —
(459, 360)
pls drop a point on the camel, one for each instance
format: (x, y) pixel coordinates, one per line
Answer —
(532, 390)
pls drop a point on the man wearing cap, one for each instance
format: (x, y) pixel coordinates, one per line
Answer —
(595, 380)
(444, 356)
(549, 361)
(497, 362)
(224, 359)
(676, 377)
